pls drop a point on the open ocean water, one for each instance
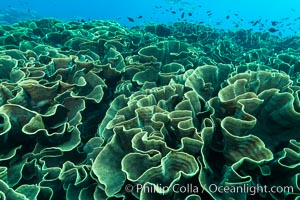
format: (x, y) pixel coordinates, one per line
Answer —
(283, 16)
(149, 100)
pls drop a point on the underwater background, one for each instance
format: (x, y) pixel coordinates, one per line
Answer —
(150, 100)
(229, 14)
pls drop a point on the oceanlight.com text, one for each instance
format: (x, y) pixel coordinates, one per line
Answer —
(212, 188)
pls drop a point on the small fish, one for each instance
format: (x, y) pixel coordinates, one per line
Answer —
(293, 9)
(296, 18)
(227, 17)
(182, 15)
(140, 17)
(173, 12)
(209, 11)
(274, 23)
(254, 23)
(130, 19)
(272, 30)
(209, 14)
(190, 14)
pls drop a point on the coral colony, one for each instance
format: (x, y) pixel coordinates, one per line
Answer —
(94, 110)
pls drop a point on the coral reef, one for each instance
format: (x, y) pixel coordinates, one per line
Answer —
(96, 110)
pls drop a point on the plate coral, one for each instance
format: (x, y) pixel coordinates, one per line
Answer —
(88, 110)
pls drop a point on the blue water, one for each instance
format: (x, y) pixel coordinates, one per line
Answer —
(223, 14)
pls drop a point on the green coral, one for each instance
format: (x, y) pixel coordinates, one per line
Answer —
(88, 109)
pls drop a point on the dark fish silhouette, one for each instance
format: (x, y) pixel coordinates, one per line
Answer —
(274, 23)
(227, 17)
(190, 14)
(254, 23)
(173, 12)
(182, 15)
(130, 19)
(140, 17)
(296, 18)
(272, 30)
